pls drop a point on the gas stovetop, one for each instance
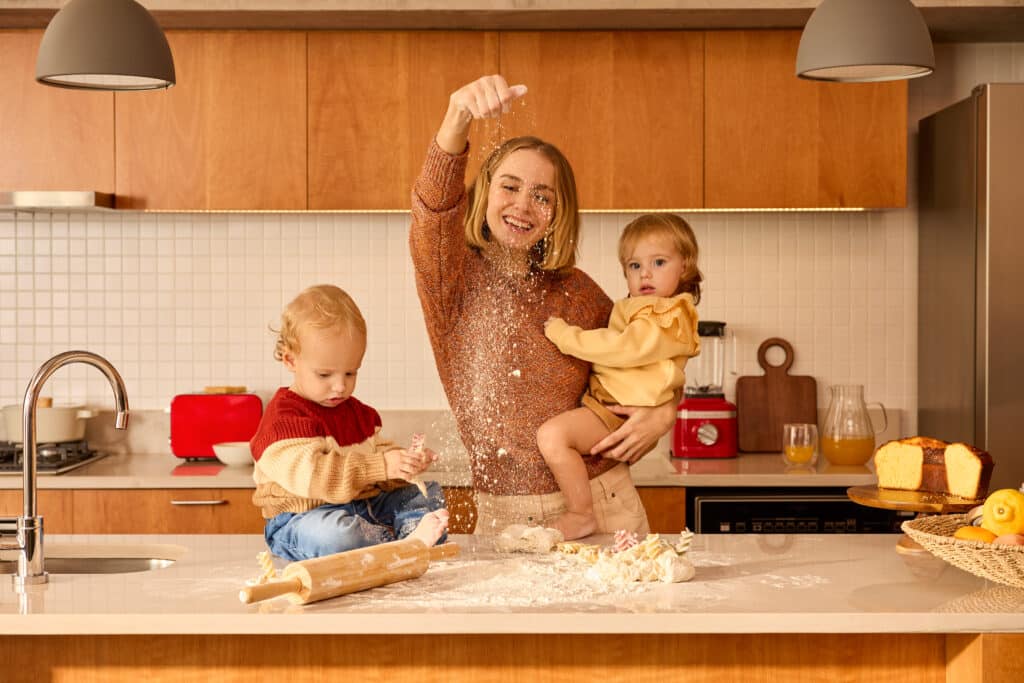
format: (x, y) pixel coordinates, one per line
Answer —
(52, 458)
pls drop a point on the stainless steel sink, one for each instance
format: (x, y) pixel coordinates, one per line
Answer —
(100, 558)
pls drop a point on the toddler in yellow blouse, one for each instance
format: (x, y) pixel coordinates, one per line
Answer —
(638, 360)
(326, 481)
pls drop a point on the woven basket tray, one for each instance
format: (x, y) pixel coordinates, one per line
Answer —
(1001, 563)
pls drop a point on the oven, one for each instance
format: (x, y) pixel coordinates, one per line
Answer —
(716, 510)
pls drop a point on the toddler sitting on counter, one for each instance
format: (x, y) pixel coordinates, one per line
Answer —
(326, 481)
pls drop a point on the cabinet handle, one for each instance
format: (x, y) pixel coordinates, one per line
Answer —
(199, 502)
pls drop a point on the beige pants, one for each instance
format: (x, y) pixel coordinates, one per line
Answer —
(616, 504)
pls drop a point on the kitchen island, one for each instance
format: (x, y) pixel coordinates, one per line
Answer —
(779, 607)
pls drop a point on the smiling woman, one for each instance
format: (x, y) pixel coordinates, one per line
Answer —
(492, 265)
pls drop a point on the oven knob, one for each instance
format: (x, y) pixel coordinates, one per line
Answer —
(707, 434)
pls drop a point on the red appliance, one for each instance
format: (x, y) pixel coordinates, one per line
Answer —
(706, 422)
(705, 428)
(200, 420)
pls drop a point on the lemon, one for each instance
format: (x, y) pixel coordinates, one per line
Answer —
(974, 533)
(1004, 512)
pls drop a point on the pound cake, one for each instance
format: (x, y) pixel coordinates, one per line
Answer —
(920, 463)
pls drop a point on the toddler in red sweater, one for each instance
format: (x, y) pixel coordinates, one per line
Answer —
(326, 481)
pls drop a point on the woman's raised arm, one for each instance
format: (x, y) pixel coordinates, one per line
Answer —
(486, 97)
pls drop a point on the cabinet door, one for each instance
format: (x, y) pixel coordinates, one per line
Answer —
(666, 508)
(230, 135)
(626, 109)
(166, 511)
(53, 505)
(50, 138)
(376, 99)
(777, 141)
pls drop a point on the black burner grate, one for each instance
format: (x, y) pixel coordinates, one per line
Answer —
(50, 456)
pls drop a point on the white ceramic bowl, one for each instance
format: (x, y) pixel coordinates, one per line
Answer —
(233, 453)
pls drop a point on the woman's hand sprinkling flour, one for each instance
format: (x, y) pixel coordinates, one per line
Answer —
(484, 98)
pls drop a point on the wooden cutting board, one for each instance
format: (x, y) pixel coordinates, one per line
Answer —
(765, 403)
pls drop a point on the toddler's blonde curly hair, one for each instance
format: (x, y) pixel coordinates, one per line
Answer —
(320, 307)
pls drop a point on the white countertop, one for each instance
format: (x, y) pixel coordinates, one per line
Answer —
(743, 584)
(142, 470)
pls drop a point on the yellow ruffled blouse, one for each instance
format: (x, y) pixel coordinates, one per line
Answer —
(639, 359)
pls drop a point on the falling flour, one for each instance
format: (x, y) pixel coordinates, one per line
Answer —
(417, 447)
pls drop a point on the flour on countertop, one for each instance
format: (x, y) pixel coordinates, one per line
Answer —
(804, 581)
(517, 582)
(546, 581)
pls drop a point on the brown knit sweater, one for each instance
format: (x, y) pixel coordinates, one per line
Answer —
(503, 378)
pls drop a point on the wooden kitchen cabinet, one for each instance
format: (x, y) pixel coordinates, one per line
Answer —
(166, 511)
(665, 506)
(284, 120)
(773, 140)
(54, 505)
(626, 108)
(376, 99)
(230, 135)
(50, 138)
(230, 511)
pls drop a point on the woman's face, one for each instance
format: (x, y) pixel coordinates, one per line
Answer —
(521, 199)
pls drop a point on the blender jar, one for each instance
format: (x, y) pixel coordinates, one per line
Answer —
(705, 374)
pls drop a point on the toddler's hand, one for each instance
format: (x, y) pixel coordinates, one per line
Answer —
(400, 463)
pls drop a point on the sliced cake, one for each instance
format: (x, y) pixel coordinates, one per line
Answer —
(921, 463)
(968, 471)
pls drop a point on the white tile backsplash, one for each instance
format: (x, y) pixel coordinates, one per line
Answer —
(180, 301)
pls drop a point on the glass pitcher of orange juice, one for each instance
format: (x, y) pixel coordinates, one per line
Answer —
(847, 436)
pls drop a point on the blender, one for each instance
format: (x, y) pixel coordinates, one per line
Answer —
(706, 422)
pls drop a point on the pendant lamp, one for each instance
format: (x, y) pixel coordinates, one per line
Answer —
(856, 41)
(104, 45)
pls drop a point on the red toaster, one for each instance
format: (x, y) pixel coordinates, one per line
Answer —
(200, 420)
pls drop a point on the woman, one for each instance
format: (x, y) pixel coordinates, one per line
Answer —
(492, 265)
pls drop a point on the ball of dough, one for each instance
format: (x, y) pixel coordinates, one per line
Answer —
(520, 538)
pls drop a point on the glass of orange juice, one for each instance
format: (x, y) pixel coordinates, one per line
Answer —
(800, 444)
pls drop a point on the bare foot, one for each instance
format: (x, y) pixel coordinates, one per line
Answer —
(431, 527)
(575, 525)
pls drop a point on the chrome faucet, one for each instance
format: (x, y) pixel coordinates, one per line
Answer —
(30, 524)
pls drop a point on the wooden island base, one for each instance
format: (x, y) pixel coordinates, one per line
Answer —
(789, 658)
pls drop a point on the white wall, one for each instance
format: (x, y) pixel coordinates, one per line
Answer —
(180, 301)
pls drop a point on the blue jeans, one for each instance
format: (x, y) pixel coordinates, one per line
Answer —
(335, 528)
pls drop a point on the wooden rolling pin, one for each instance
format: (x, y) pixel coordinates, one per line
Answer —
(350, 571)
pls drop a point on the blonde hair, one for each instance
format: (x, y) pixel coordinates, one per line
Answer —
(557, 251)
(678, 232)
(322, 307)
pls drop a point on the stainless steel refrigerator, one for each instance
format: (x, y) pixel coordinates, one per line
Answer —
(971, 276)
